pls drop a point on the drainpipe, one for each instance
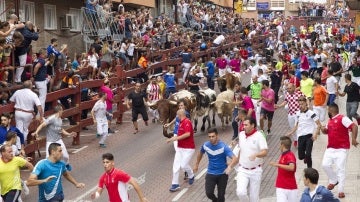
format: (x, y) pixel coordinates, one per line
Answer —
(176, 11)
(17, 8)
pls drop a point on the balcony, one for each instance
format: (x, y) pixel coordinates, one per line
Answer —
(250, 6)
(277, 5)
(293, 6)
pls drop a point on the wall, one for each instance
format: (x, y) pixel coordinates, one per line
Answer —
(73, 39)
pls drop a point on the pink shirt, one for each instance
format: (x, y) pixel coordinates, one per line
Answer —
(221, 63)
(248, 104)
(235, 65)
(305, 62)
(268, 94)
(109, 96)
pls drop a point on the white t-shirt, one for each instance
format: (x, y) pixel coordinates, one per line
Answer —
(131, 49)
(254, 70)
(249, 146)
(123, 48)
(279, 29)
(331, 84)
(306, 122)
(25, 99)
(219, 39)
(100, 111)
(92, 60)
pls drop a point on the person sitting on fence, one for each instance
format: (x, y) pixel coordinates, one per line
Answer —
(4, 65)
(122, 53)
(67, 82)
(92, 58)
(144, 64)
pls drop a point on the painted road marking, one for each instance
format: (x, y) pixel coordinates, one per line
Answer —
(78, 150)
(180, 194)
(201, 174)
(140, 180)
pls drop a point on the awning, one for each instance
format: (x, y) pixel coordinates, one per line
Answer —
(146, 3)
(223, 3)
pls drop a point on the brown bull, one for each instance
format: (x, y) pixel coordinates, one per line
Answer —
(227, 82)
(167, 109)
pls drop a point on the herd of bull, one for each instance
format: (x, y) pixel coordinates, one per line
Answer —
(199, 104)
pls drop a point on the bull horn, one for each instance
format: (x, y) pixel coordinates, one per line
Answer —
(212, 103)
(151, 104)
(226, 101)
(172, 102)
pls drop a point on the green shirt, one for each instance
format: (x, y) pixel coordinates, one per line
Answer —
(255, 89)
(306, 87)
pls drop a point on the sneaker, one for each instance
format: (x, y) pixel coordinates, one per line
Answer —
(331, 186)
(68, 167)
(146, 123)
(341, 195)
(174, 187)
(25, 188)
(102, 145)
(295, 143)
(191, 180)
(268, 132)
(110, 131)
(98, 135)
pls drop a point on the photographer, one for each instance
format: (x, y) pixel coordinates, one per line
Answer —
(30, 33)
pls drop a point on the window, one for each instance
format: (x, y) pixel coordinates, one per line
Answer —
(3, 11)
(28, 11)
(50, 21)
(73, 20)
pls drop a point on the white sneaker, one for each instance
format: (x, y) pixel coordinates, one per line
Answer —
(25, 188)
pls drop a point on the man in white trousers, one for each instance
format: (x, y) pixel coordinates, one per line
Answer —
(30, 33)
(40, 75)
(98, 113)
(186, 62)
(55, 132)
(253, 148)
(25, 100)
(338, 146)
(185, 151)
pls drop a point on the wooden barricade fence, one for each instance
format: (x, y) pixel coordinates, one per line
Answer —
(122, 85)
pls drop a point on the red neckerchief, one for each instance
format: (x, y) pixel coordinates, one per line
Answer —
(251, 133)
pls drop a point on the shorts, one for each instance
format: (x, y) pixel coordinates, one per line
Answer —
(108, 117)
(268, 114)
(139, 110)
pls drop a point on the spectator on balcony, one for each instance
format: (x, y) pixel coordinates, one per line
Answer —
(13, 22)
(91, 13)
(52, 50)
(40, 75)
(6, 29)
(30, 33)
(24, 100)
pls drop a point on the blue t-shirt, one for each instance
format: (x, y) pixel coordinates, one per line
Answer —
(296, 61)
(75, 64)
(211, 68)
(312, 62)
(217, 156)
(186, 57)
(169, 80)
(53, 188)
(41, 73)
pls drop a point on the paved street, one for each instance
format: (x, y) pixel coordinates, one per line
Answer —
(149, 158)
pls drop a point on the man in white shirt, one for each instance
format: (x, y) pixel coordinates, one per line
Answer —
(331, 86)
(25, 100)
(252, 150)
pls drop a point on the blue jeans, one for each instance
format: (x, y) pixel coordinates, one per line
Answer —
(168, 91)
(331, 99)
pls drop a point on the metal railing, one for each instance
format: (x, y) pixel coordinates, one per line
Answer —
(100, 23)
(277, 4)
